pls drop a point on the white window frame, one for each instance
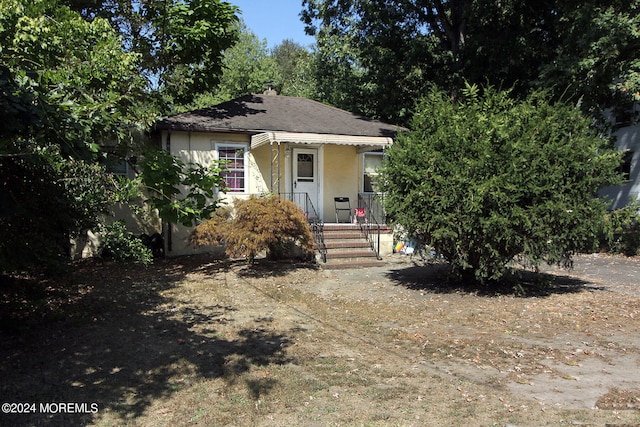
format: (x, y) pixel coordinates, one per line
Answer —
(364, 155)
(237, 147)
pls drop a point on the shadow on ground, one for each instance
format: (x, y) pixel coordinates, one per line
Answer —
(118, 342)
(264, 268)
(437, 278)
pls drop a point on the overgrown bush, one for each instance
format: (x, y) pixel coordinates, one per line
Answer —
(45, 198)
(123, 246)
(486, 178)
(257, 224)
(624, 231)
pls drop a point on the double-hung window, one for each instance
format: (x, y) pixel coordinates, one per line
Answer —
(234, 164)
(371, 166)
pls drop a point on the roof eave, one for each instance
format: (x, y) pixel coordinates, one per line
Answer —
(315, 138)
(180, 127)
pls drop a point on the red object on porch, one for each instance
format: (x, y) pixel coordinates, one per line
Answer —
(359, 212)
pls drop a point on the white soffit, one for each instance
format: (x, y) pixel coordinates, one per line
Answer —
(317, 138)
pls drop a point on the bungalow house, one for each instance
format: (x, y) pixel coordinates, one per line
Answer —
(321, 157)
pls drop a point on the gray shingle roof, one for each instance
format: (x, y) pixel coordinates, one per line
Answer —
(260, 113)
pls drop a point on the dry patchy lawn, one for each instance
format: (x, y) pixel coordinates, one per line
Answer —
(193, 341)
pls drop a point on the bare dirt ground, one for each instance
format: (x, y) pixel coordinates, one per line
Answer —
(572, 344)
(193, 341)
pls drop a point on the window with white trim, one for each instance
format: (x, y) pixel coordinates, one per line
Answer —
(234, 163)
(371, 165)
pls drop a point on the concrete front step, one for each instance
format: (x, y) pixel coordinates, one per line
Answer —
(341, 265)
(341, 227)
(353, 227)
(342, 235)
(347, 248)
(336, 244)
(349, 254)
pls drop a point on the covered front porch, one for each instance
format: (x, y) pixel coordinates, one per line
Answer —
(332, 179)
(325, 167)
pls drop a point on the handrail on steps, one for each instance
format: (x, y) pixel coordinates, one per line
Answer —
(368, 222)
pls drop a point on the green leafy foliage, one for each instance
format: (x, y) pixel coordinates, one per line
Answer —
(594, 54)
(121, 245)
(180, 42)
(623, 233)
(45, 198)
(246, 67)
(163, 176)
(259, 223)
(295, 70)
(377, 57)
(374, 58)
(66, 81)
(73, 79)
(67, 86)
(484, 179)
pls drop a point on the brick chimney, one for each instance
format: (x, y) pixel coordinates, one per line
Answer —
(270, 90)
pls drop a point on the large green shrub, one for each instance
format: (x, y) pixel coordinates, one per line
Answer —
(121, 245)
(486, 178)
(624, 231)
(258, 224)
(45, 198)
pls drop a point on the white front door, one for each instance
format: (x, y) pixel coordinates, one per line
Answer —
(305, 175)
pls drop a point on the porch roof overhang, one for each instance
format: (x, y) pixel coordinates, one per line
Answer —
(363, 143)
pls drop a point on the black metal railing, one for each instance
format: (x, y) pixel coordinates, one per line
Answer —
(316, 224)
(375, 203)
(368, 221)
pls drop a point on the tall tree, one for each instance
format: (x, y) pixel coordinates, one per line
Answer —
(295, 69)
(67, 86)
(180, 42)
(585, 51)
(246, 68)
(380, 56)
(249, 67)
(374, 57)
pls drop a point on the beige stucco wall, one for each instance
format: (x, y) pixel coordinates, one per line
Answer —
(341, 177)
(340, 172)
(199, 147)
(262, 168)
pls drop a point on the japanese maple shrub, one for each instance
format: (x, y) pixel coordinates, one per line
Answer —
(258, 224)
(485, 178)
